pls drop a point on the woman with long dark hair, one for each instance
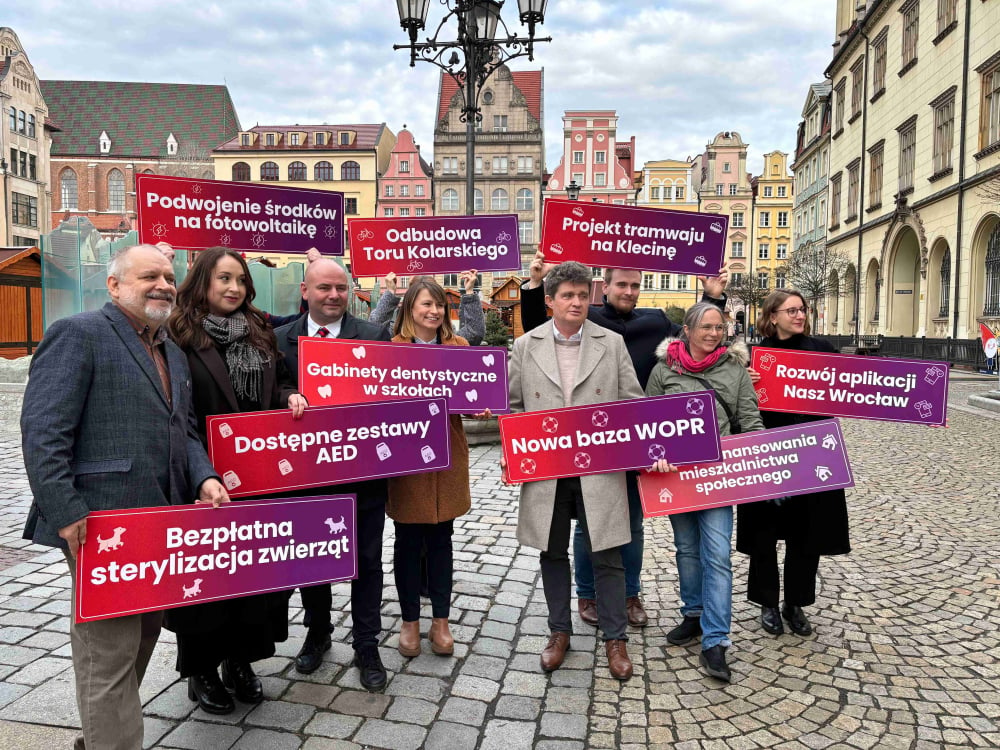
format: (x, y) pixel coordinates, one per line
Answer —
(423, 506)
(811, 525)
(235, 367)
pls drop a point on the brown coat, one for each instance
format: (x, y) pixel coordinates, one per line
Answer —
(436, 496)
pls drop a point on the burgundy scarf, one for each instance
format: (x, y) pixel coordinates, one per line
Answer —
(678, 354)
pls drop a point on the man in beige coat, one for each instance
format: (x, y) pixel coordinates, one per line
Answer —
(573, 362)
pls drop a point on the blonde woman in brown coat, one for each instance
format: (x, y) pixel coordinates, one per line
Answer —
(423, 506)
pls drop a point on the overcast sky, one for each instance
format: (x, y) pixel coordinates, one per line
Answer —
(677, 72)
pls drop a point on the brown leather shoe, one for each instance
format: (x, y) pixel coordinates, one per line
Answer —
(554, 652)
(588, 610)
(636, 614)
(409, 638)
(618, 662)
(442, 642)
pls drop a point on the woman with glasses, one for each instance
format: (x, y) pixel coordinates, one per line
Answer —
(699, 361)
(811, 525)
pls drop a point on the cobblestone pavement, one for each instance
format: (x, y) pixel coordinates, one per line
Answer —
(905, 653)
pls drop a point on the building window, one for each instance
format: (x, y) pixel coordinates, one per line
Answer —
(323, 171)
(853, 170)
(989, 129)
(241, 172)
(735, 279)
(269, 171)
(907, 154)
(944, 133)
(526, 232)
(68, 190)
(420, 211)
(664, 281)
(764, 251)
(404, 166)
(679, 193)
(351, 206)
(525, 165)
(945, 288)
(733, 188)
(388, 212)
(297, 171)
(350, 170)
(245, 139)
(911, 28)
(647, 282)
(487, 97)
(31, 126)
(449, 200)
(345, 139)
(780, 280)
(418, 191)
(32, 167)
(682, 282)
(782, 191)
(840, 102)
(876, 159)
(479, 165)
(500, 123)
(525, 200)
(499, 165)
(782, 251)
(404, 191)
(720, 189)
(116, 191)
(600, 157)
(25, 210)
(319, 139)
(835, 200)
(449, 165)
(762, 279)
(768, 191)
(738, 219)
(737, 248)
(992, 306)
(499, 200)
(577, 178)
(857, 87)
(269, 139)
(946, 14)
(765, 218)
(294, 139)
(782, 218)
(879, 46)
(478, 200)
(654, 194)
(13, 119)
(21, 123)
(600, 179)
(389, 191)
(727, 167)
(404, 211)
(578, 157)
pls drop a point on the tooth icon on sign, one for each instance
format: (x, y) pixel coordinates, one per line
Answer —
(488, 360)
(358, 352)
(325, 391)
(471, 395)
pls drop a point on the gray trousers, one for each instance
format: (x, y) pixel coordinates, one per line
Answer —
(109, 660)
(609, 573)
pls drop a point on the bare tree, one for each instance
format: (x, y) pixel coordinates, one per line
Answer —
(818, 273)
(748, 291)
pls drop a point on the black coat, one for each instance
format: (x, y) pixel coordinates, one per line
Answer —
(820, 517)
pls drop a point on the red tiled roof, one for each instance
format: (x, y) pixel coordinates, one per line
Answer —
(367, 138)
(528, 81)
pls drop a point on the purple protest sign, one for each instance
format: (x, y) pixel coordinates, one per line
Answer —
(343, 371)
(759, 465)
(434, 244)
(147, 559)
(268, 451)
(641, 239)
(849, 385)
(196, 214)
(616, 436)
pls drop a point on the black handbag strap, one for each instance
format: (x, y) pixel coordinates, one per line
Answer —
(734, 423)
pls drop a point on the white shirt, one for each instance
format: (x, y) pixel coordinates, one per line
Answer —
(312, 327)
(578, 336)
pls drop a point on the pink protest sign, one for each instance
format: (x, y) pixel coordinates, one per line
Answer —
(434, 244)
(850, 385)
(268, 451)
(616, 436)
(196, 214)
(642, 239)
(339, 371)
(760, 465)
(148, 559)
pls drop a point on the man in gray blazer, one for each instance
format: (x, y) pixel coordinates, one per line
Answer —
(572, 362)
(107, 424)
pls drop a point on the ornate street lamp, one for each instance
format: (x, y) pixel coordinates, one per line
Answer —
(473, 56)
(573, 191)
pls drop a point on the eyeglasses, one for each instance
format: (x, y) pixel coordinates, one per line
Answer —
(793, 311)
(708, 328)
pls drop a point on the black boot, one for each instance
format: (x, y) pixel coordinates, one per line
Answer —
(685, 631)
(210, 693)
(239, 677)
(770, 620)
(797, 620)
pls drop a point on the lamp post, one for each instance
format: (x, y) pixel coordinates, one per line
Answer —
(7, 218)
(573, 191)
(474, 56)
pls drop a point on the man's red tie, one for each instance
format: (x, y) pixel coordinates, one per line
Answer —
(322, 332)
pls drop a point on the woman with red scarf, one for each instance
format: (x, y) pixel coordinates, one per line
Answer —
(698, 361)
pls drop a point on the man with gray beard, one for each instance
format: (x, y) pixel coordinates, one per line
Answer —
(107, 424)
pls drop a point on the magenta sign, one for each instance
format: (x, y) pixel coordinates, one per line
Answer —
(641, 239)
(759, 465)
(268, 451)
(196, 214)
(146, 559)
(434, 244)
(616, 436)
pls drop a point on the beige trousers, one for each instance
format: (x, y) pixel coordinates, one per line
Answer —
(109, 660)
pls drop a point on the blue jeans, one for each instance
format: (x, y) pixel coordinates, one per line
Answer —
(583, 568)
(703, 541)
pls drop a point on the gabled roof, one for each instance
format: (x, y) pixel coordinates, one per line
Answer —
(11, 255)
(368, 136)
(529, 82)
(138, 117)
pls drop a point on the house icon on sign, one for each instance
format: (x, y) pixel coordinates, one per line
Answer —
(830, 442)
(666, 496)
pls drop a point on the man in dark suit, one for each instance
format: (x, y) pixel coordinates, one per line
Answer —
(107, 424)
(326, 290)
